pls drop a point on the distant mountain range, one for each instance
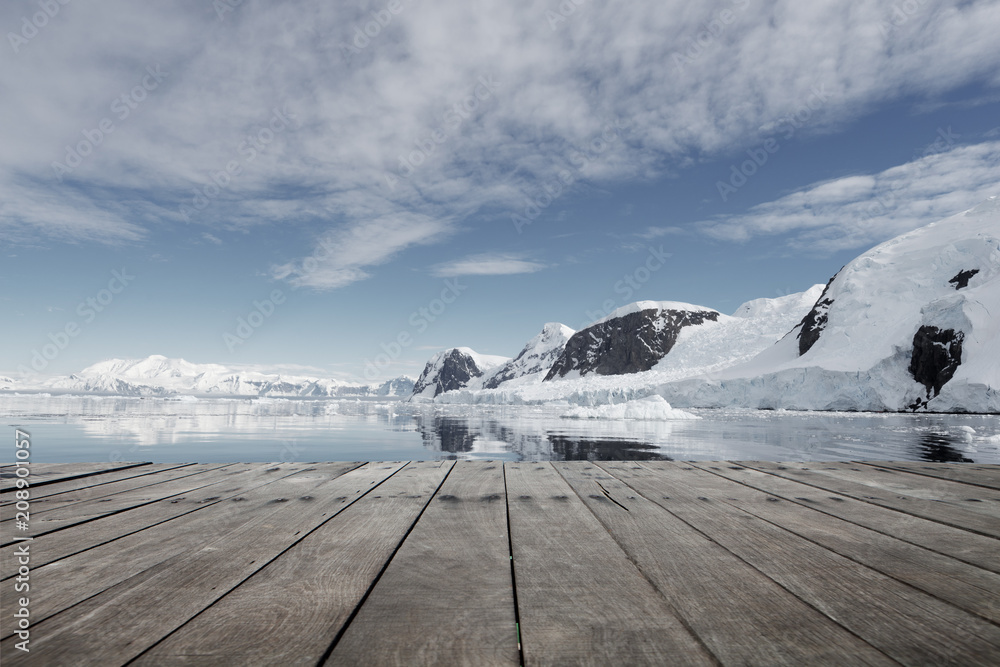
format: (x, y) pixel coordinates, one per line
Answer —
(913, 324)
(160, 376)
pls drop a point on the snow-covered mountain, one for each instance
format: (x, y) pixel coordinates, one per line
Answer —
(697, 349)
(159, 376)
(913, 324)
(632, 339)
(454, 369)
(536, 357)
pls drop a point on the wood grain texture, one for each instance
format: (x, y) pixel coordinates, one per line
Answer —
(447, 597)
(289, 612)
(968, 547)
(99, 557)
(971, 588)
(81, 537)
(614, 563)
(970, 473)
(43, 474)
(906, 624)
(964, 496)
(88, 510)
(79, 484)
(118, 624)
(581, 600)
(949, 514)
(742, 616)
(44, 505)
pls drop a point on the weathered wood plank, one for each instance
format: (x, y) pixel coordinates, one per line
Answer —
(91, 563)
(289, 612)
(742, 616)
(97, 481)
(971, 498)
(90, 510)
(63, 543)
(967, 547)
(120, 622)
(963, 585)
(946, 513)
(447, 597)
(906, 624)
(43, 474)
(976, 474)
(68, 497)
(581, 600)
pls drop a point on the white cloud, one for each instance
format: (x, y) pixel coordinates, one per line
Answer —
(858, 211)
(342, 255)
(488, 264)
(357, 117)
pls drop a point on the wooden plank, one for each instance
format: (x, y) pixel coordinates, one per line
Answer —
(73, 540)
(89, 572)
(963, 585)
(101, 493)
(99, 481)
(945, 513)
(976, 474)
(908, 625)
(50, 473)
(447, 597)
(968, 547)
(312, 590)
(971, 498)
(118, 624)
(581, 600)
(742, 616)
(90, 510)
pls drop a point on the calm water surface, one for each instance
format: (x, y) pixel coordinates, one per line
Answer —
(71, 429)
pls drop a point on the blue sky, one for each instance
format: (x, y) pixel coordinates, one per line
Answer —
(272, 162)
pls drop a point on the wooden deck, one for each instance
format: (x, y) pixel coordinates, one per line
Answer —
(486, 563)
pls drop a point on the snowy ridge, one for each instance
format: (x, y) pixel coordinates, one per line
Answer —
(711, 346)
(452, 369)
(888, 310)
(535, 358)
(640, 306)
(159, 376)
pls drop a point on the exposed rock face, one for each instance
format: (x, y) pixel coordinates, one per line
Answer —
(538, 356)
(937, 354)
(447, 371)
(631, 343)
(815, 321)
(961, 280)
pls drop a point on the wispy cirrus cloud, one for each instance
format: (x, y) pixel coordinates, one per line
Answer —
(859, 210)
(410, 94)
(487, 264)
